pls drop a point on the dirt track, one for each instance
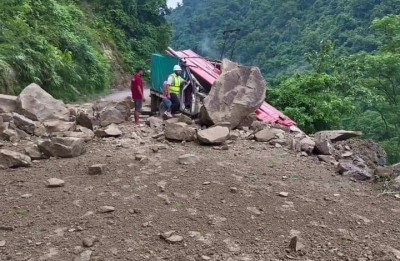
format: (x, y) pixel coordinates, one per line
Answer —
(225, 208)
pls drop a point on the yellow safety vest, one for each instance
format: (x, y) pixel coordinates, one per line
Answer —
(175, 86)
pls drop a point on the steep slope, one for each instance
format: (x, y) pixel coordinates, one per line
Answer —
(76, 48)
(276, 34)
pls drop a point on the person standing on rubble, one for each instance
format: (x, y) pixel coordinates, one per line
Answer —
(173, 89)
(137, 89)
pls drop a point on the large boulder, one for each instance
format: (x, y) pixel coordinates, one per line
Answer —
(307, 145)
(124, 107)
(213, 136)
(52, 126)
(110, 115)
(62, 147)
(179, 131)
(36, 104)
(84, 119)
(237, 93)
(24, 123)
(324, 148)
(336, 135)
(8, 103)
(12, 159)
(34, 152)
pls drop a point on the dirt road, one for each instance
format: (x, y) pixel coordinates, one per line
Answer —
(226, 207)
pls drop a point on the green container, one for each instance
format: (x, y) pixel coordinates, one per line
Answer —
(161, 67)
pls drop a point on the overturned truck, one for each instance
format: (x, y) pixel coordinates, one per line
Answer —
(217, 92)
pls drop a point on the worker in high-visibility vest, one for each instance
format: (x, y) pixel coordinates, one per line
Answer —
(171, 94)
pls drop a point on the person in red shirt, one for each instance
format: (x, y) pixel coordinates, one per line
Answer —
(137, 89)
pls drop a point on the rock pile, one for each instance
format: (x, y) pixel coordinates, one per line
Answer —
(53, 128)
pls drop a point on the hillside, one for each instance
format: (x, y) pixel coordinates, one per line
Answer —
(77, 48)
(276, 34)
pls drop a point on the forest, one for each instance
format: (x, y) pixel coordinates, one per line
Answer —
(75, 49)
(329, 64)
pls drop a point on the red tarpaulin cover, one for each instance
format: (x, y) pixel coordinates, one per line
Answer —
(205, 70)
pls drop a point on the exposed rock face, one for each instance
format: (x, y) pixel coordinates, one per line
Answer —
(237, 93)
(269, 134)
(23, 123)
(213, 136)
(63, 147)
(336, 135)
(179, 131)
(52, 126)
(111, 131)
(11, 159)
(36, 104)
(8, 103)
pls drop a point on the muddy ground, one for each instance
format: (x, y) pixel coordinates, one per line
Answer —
(226, 207)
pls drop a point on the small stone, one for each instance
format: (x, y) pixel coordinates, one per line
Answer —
(26, 196)
(283, 194)
(84, 256)
(2, 243)
(347, 154)
(55, 183)
(174, 239)
(188, 159)
(106, 209)
(97, 169)
(89, 241)
(205, 258)
(233, 189)
(206, 183)
(295, 244)
(6, 228)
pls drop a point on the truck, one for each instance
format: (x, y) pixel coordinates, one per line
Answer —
(200, 74)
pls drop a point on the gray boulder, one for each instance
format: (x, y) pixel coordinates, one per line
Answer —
(37, 105)
(336, 135)
(10, 135)
(23, 123)
(155, 122)
(324, 148)
(179, 131)
(347, 167)
(188, 159)
(110, 131)
(12, 159)
(110, 115)
(84, 119)
(34, 153)
(53, 126)
(307, 145)
(62, 147)
(81, 132)
(269, 134)
(213, 136)
(237, 93)
(8, 103)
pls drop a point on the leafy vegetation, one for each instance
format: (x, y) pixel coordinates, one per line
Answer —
(76, 48)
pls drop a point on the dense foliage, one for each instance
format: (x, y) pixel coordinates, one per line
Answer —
(75, 48)
(275, 35)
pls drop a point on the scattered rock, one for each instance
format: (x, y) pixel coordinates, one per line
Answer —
(296, 244)
(89, 241)
(179, 131)
(2, 243)
(336, 135)
(37, 105)
(324, 148)
(110, 115)
(106, 209)
(155, 122)
(11, 159)
(327, 159)
(396, 183)
(188, 159)
(34, 152)
(81, 133)
(258, 126)
(10, 135)
(171, 237)
(97, 169)
(23, 123)
(233, 189)
(237, 92)
(213, 136)
(55, 183)
(63, 147)
(110, 131)
(84, 256)
(268, 134)
(347, 154)
(307, 145)
(349, 168)
(8, 103)
(283, 194)
(85, 120)
(52, 126)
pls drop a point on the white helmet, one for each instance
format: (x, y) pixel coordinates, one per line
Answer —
(177, 68)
